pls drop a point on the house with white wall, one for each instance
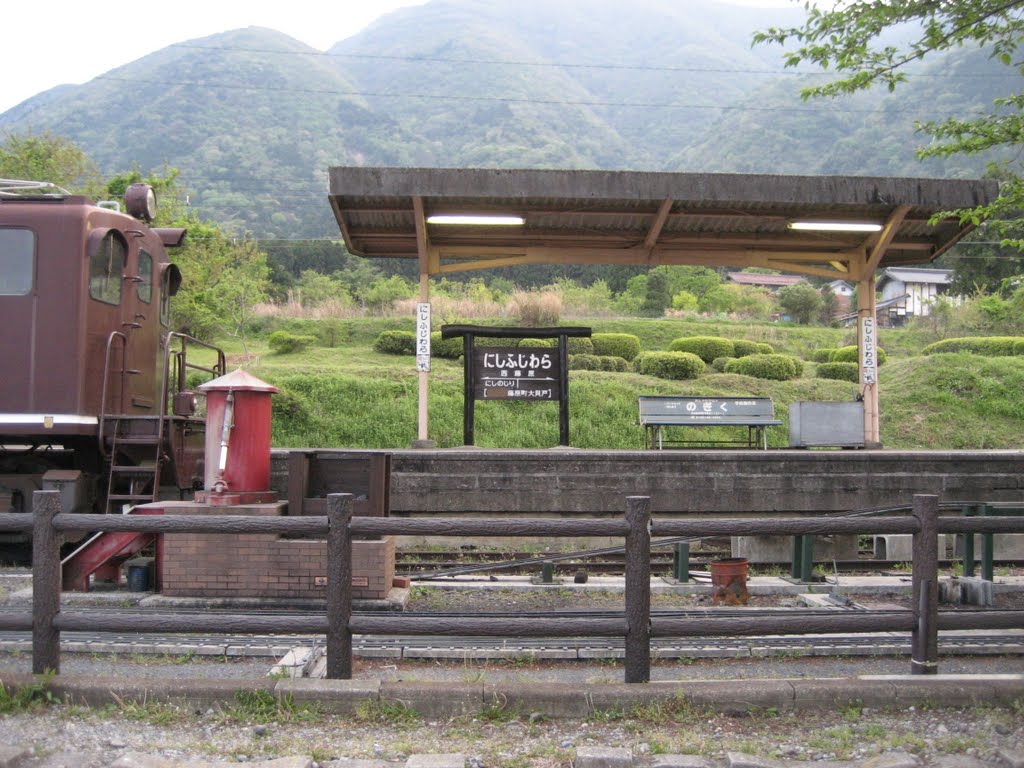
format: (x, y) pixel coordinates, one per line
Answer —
(911, 291)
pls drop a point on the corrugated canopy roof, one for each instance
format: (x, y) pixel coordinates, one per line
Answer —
(626, 217)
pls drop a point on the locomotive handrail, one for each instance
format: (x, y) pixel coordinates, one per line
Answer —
(182, 365)
(103, 390)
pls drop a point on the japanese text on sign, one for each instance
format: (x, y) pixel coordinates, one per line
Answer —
(516, 373)
(868, 360)
(422, 337)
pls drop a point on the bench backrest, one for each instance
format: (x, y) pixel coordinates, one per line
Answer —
(669, 409)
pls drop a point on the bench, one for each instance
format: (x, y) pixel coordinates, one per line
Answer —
(660, 411)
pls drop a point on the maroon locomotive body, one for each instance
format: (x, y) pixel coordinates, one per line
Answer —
(93, 395)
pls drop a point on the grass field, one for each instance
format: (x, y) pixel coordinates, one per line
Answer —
(349, 396)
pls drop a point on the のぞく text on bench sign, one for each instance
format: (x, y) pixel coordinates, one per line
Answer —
(516, 373)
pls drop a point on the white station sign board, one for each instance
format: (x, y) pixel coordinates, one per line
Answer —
(868, 351)
(423, 337)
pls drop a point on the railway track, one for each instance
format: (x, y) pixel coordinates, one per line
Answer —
(451, 562)
(960, 643)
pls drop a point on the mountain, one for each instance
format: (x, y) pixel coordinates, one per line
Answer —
(253, 118)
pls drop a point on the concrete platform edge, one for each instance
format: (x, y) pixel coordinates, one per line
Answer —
(562, 701)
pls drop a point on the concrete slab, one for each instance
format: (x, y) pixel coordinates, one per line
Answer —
(334, 696)
(603, 757)
(435, 700)
(443, 760)
(553, 700)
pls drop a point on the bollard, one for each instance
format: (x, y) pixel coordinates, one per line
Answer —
(681, 562)
(547, 572)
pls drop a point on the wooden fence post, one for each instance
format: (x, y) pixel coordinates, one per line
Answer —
(339, 586)
(638, 589)
(925, 585)
(45, 583)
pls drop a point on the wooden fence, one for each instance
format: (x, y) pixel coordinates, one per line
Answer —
(47, 620)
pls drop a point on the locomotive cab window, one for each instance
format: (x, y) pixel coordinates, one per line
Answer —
(106, 266)
(144, 287)
(17, 261)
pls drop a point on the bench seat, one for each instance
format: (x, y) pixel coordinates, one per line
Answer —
(657, 412)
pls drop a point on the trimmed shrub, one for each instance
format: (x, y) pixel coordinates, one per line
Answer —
(850, 355)
(743, 348)
(578, 345)
(719, 363)
(822, 355)
(584, 363)
(839, 371)
(547, 343)
(707, 348)
(449, 349)
(283, 343)
(669, 365)
(624, 345)
(989, 346)
(395, 343)
(614, 364)
(776, 367)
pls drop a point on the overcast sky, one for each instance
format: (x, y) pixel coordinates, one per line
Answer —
(51, 42)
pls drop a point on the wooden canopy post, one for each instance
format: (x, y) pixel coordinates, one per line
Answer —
(423, 418)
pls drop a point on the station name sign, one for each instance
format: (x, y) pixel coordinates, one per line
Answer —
(516, 373)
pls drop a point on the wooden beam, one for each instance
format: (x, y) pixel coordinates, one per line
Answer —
(658, 224)
(884, 238)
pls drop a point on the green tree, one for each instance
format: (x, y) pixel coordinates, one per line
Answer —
(46, 157)
(801, 302)
(657, 296)
(851, 39)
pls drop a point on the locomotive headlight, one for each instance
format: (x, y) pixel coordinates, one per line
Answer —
(140, 201)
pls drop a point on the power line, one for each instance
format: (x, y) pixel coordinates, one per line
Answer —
(556, 64)
(831, 108)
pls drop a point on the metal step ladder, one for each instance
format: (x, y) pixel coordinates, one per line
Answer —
(134, 484)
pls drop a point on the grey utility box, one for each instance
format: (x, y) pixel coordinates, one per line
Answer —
(826, 425)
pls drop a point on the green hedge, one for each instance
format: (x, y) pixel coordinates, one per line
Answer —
(743, 348)
(850, 354)
(282, 342)
(395, 343)
(707, 348)
(839, 371)
(449, 349)
(586, 362)
(776, 367)
(719, 363)
(989, 346)
(624, 345)
(669, 365)
(822, 355)
(546, 343)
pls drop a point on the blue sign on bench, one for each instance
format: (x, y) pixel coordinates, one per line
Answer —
(660, 411)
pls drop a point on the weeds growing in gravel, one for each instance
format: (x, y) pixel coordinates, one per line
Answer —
(25, 698)
(391, 712)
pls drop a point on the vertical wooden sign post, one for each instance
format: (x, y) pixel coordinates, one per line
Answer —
(514, 373)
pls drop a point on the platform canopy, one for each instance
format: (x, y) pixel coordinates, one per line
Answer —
(647, 219)
(833, 227)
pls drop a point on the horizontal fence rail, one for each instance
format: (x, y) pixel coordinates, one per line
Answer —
(637, 626)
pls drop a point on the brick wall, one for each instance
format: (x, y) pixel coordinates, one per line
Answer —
(264, 565)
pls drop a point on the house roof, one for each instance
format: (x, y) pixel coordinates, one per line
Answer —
(771, 281)
(926, 276)
(640, 218)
